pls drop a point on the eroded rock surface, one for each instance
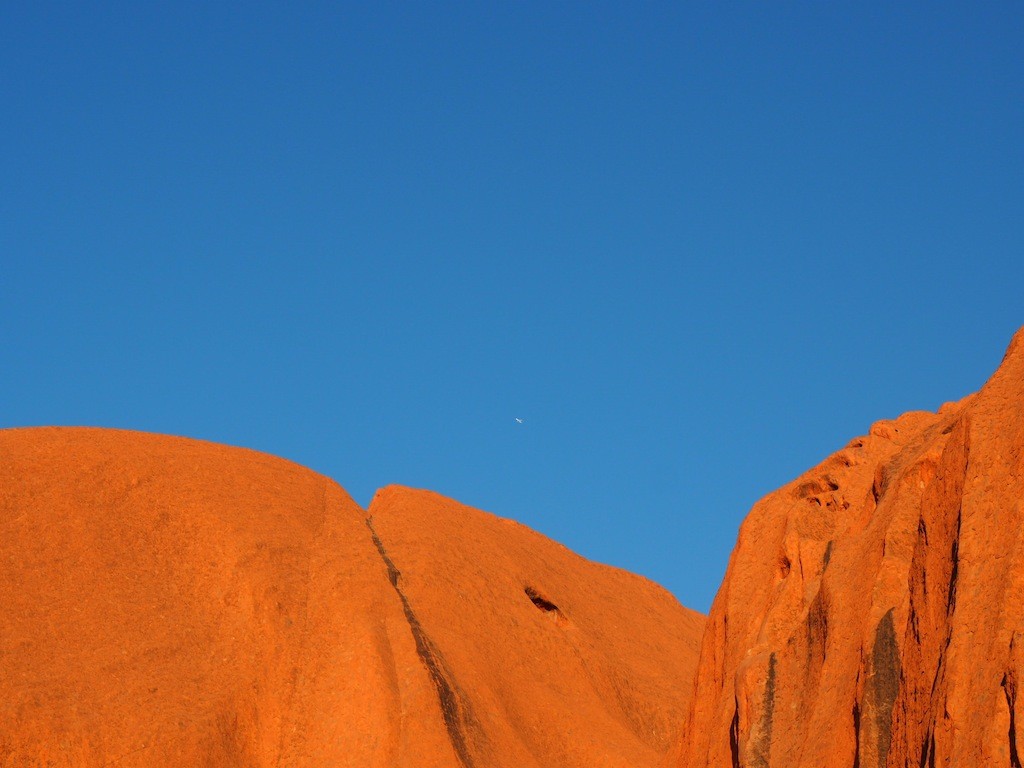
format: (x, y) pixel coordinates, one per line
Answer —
(549, 659)
(873, 609)
(168, 602)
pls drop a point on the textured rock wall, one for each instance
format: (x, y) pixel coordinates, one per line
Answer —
(166, 602)
(550, 659)
(872, 610)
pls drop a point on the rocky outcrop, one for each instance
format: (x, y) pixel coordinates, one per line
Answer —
(169, 602)
(873, 609)
(547, 659)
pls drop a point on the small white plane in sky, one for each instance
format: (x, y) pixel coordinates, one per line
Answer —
(518, 420)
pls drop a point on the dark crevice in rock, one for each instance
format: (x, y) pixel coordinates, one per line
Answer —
(955, 560)
(454, 709)
(915, 625)
(812, 489)
(769, 704)
(884, 681)
(785, 566)
(856, 735)
(540, 601)
(1010, 691)
(928, 750)
(763, 747)
(817, 632)
(884, 475)
(734, 736)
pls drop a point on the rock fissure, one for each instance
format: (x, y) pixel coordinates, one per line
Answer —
(883, 682)
(954, 558)
(1010, 691)
(454, 709)
(734, 735)
(856, 735)
(541, 602)
(236, 609)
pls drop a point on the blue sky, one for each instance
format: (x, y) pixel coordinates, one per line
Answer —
(695, 246)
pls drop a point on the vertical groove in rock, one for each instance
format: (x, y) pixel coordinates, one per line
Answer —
(454, 708)
(882, 683)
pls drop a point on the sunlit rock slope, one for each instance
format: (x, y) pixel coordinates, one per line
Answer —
(170, 602)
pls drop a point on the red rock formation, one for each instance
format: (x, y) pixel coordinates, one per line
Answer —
(873, 609)
(550, 659)
(168, 602)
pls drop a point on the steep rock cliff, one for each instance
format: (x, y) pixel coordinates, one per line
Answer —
(873, 609)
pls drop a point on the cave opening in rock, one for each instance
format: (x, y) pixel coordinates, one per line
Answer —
(540, 601)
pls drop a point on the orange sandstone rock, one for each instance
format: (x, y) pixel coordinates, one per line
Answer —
(547, 659)
(169, 602)
(872, 613)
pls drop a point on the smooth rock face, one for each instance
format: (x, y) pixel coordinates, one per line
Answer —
(548, 659)
(873, 610)
(169, 602)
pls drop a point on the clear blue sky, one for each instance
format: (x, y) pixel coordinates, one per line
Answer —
(695, 246)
